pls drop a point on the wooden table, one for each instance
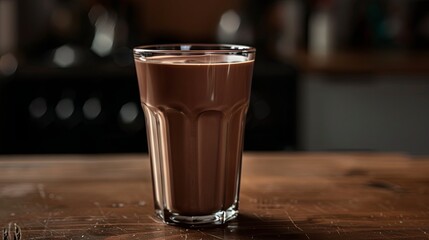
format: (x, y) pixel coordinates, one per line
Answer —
(283, 196)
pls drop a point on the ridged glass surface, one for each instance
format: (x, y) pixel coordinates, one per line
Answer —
(211, 144)
(195, 108)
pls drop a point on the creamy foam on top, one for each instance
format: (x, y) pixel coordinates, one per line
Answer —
(196, 59)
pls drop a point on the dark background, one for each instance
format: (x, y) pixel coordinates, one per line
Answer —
(68, 84)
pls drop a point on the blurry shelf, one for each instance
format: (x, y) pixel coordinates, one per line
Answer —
(76, 73)
(377, 63)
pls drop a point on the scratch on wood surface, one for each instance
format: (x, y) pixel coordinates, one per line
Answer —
(154, 219)
(105, 219)
(424, 232)
(208, 234)
(337, 206)
(52, 233)
(46, 223)
(121, 229)
(319, 208)
(338, 232)
(294, 224)
(258, 217)
(41, 189)
(385, 207)
(43, 237)
(137, 217)
(103, 215)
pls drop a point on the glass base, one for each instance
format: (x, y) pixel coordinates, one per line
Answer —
(216, 218)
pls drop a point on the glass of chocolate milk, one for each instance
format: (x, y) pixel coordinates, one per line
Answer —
(195, 98)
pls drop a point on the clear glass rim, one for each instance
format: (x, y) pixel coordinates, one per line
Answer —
(193, 48)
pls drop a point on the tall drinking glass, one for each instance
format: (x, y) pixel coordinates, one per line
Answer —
(195, 98)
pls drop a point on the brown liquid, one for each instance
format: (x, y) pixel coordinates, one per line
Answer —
(195, 114)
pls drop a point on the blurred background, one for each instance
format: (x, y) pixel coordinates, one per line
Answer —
(347, 75)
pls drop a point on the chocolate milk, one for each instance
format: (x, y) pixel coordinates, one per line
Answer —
(195, 115)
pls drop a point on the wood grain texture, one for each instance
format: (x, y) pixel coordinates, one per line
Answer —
(283, 196)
